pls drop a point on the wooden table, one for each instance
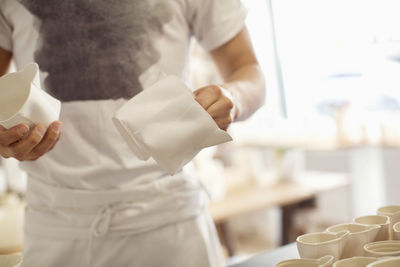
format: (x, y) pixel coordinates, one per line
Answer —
(289, 196)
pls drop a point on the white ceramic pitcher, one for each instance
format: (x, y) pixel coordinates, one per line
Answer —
(393, 212)
(359, 235)
(325, 261)
(382, 220)
(317, 245)
(23, 101)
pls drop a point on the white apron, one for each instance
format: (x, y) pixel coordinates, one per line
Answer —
(91, 203)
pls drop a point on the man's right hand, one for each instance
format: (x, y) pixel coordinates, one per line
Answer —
(25, 145)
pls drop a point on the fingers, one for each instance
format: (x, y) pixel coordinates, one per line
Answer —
(207, 96)
(22, 148)
(217, 103)
(223, 123)
(48, 142)
(221, 112)
(59, 137)
(221, 108)
(17, 143)
(12, 135)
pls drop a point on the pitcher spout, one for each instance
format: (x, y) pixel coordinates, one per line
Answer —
(326, 260)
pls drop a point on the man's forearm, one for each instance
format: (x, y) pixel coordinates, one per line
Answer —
(243, 77)
(247, 86)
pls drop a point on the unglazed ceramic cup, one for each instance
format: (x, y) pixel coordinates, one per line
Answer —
(317, 245)
(392, 262)
(11, 228)
(394, 214)
(355, 262)
(396, 231)
(382, 220)
(383, 248)
(359, 235)
(325, 261)
(10, 260)
(23, 101)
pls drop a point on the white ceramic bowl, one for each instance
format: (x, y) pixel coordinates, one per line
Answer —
(383, 248)
(355, 262)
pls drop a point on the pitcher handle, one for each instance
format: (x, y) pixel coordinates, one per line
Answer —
(325, 260)
(342, 234)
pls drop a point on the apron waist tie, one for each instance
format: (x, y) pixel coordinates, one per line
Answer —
(102, 223)
(128, 217)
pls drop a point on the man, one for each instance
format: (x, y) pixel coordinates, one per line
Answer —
(90, 202)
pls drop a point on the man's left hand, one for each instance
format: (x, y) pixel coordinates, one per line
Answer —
(219, 103)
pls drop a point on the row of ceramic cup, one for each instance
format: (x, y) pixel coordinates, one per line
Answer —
(367, 239)
(327, 261)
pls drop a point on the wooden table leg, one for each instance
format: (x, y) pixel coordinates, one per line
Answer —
(226, 237)
(287, 220)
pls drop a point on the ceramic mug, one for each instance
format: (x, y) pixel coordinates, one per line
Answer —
(393, 212)
(355, 262)
(392, 262)
(383, 248)
(11, 227)
(23, 101)
(10, 260)
(316, 245)
(359, 235)
(325, 261)
(382, 220)
(396, 231)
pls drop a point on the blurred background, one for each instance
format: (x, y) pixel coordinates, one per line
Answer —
(324, 148)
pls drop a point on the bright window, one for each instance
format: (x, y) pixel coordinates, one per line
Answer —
(334, 51)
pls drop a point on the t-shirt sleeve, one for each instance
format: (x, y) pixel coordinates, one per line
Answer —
(215, 22)
(5, 29)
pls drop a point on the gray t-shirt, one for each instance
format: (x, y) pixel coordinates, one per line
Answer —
(93, 50)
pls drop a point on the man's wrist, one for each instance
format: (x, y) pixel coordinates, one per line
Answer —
(229, 94)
